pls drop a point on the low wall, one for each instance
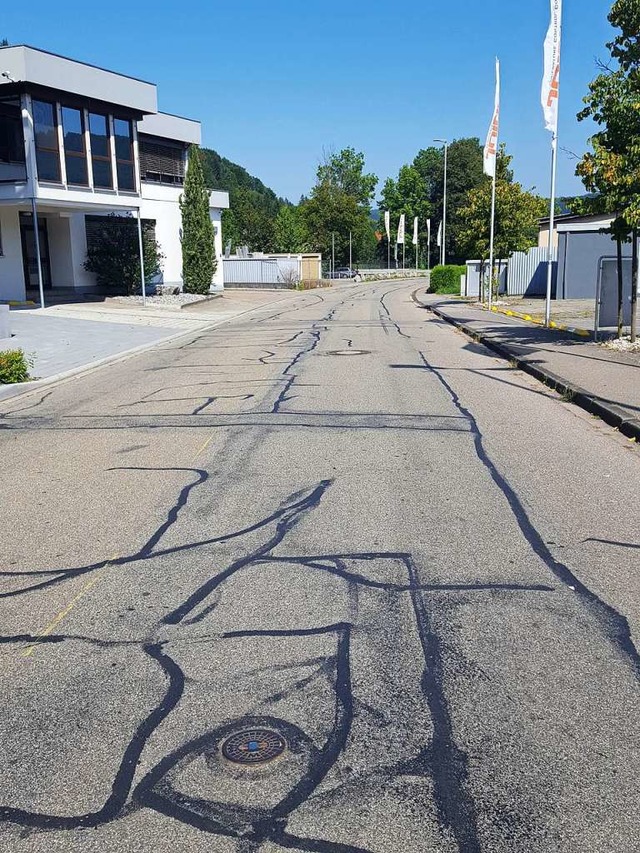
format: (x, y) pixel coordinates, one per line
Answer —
(375, 275)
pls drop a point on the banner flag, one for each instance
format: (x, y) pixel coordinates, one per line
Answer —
(401, 226)
(387, 224)
(440, 236)
(491, 146)
(415, 231)
(551, 81)
(428, 231)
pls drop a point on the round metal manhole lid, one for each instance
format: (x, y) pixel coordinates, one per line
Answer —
(253, 747)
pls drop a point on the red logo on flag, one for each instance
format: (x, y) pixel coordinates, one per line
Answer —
(554, 91)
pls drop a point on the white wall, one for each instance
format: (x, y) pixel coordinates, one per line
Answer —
(11, 267)
(162, 204)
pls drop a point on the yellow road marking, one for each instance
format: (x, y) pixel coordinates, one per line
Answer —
(60, 617)
(204, 446)
(67, 610)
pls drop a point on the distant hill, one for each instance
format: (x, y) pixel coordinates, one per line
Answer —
(222, 174)
(254, 206)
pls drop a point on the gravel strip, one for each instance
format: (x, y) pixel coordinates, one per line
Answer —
(169, 301)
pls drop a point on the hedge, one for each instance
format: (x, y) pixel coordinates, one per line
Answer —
(446, 279)
(14, 367)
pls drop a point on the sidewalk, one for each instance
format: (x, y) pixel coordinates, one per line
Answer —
(604, 382)
(68, 339)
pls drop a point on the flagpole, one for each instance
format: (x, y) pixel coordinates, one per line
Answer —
(552, 225)
(491, 168)
(550, 106)
(493, 234)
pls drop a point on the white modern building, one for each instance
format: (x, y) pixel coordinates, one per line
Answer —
(79, 142)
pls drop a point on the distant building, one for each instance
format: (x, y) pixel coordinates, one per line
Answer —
(255, 269)
(76, 143)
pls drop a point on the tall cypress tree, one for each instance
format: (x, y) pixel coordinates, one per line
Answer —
(199, 261)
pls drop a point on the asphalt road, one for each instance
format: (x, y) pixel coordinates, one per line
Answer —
(409, 570)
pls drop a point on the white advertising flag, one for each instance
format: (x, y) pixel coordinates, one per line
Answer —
(401, 226)
(551, 81)
(428, 231)
(491, 146)
(387, 224)
(415, 231)
(440, 235)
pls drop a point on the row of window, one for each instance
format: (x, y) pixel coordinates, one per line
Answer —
(45, 122)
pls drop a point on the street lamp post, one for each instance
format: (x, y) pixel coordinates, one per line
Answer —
(333, 255)
(443, 248)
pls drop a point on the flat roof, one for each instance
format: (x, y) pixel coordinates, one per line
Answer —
(77, 61)
(31, 66)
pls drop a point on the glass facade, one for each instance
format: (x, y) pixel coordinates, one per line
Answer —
(100, 151)
(94, 145)
(123, 132)
(75, 154)
(46, 136)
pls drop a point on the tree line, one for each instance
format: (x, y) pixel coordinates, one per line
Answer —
(338, 213)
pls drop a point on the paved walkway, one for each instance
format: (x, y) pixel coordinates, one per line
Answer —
(575, 313)
(67, 338)
(602, 381)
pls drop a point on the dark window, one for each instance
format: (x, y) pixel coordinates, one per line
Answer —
(46, 134)
(75, 155)
(100, 151)
(123, 133)
(161, 162)
(11, 138)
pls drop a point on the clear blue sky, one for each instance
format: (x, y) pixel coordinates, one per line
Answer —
(276, 81)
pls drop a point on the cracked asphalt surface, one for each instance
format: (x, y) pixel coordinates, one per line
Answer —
(340, 520)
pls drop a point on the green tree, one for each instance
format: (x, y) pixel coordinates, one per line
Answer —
(199, 261)
(289, 233)
(247, 223)
(517, 216)
(612, 168)
(464, 173)
(339, 206)
(345, 171)
(4, 43)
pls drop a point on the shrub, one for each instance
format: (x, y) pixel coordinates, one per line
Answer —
(14, 367)
(446, 279)
(113, 254)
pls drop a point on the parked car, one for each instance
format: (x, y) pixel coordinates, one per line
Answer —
(344, 272)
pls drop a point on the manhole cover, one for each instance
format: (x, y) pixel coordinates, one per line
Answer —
(253, 746)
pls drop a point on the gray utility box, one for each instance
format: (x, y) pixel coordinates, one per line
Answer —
(5, 332)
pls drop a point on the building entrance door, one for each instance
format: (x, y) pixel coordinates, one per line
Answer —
(29, 254)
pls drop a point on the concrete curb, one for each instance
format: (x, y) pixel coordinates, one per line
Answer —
(609, 413)
(8, 392)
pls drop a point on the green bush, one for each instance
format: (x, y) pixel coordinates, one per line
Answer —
(14, 367)
(113, 254)
(446, 279)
